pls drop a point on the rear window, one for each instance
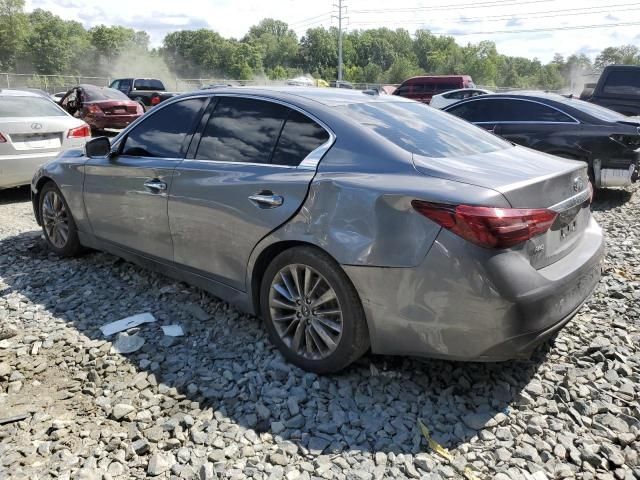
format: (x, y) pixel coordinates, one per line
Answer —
(148, 84)
(423, 130)
(623, 82)
(601, 113)
(97, 94)
(28, 107)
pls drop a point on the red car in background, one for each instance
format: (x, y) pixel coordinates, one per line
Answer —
(425, 87)
(101, 107)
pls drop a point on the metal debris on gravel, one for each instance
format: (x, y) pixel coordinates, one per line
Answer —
(222, 403)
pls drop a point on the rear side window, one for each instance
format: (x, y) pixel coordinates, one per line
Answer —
(623, 82)
(163, 132)
(300, 136)
(97, 94)
(242, 130)
(423, 130)
(148, 84)
(28, 107)
(445, 87)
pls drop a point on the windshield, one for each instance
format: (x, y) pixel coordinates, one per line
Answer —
(97, 94)
(28, 107)
(423, 130)
(601, 113)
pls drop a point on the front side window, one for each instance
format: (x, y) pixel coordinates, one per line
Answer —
(242, 130)
(125, 85)
(148, 84)
(402, 90)
(300, 136)
(476, 111)
(422, 130)
(623, 82)
(163, 132)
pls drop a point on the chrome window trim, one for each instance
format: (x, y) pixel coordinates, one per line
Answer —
(524, 122)
(488, 98)
(574, 201)
(311, 161)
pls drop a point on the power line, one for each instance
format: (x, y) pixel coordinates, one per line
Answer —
(493, 3)
(534, 30)
(306, 20)
(527, 16)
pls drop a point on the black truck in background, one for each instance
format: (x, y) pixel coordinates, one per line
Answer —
(618, 89)
(148, 92)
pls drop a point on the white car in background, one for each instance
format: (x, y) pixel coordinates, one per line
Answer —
(453, 96)
(33, 130)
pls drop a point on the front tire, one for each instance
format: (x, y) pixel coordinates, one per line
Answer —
(312, 311)
(58, 226)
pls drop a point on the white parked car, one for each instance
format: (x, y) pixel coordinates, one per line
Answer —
(33, 130)
(453, 96)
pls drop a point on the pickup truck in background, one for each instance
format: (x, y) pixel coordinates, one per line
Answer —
(148, 92)
(618, 89)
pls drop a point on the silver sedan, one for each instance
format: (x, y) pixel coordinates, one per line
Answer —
(346, 221)
(33, 130)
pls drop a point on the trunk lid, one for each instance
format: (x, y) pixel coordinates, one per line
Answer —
(527, 179)
(31, 135)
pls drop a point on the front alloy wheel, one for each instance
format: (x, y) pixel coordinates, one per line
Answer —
(57, 222)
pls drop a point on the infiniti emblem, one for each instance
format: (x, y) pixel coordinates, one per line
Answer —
(36, 126)
(578, 184)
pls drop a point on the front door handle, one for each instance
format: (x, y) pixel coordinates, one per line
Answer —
(267, 199)
(155, 185)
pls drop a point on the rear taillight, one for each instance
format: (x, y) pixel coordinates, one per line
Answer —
(155, 100)
(2, 139)
(488, 227)
(94, 109)
(79, 132)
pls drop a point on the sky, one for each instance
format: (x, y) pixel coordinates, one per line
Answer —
(518, 27)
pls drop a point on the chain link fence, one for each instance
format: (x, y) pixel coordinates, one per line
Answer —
(49, 83)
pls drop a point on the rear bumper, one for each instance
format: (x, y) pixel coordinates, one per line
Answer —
(16, 170)
(111, 121)
(468, 303)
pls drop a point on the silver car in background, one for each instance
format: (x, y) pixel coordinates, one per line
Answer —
(346, 221)
(33, 130)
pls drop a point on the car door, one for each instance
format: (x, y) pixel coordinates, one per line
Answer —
(248, 174)
(534, 124)
(125, 194)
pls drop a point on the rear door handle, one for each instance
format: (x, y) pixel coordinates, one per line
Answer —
(155, 185)
(267, 200)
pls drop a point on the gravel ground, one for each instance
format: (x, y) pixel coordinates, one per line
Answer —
(220, 402)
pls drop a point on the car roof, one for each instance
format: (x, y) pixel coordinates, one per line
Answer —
(330, 97)
(18, 93)
(523, 95)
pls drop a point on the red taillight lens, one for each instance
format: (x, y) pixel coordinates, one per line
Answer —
(488, 227)
(2, 139)
(94, 109)
(155, 100)
(79, 132)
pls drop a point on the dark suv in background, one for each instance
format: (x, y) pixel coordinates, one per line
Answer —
(618, 89)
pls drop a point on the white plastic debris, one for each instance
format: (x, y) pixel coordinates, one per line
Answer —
(127, 343)
(127, 323)
(173, 330)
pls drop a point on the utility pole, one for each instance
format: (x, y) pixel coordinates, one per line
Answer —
(340, 7)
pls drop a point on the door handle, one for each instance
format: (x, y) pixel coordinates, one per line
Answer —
(267, 200)
(155, 185)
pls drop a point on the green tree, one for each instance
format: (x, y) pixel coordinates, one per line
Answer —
(14, 29)
(401, 69)
(278, 45)
(625, 55)
(110, 42)
(319, 49)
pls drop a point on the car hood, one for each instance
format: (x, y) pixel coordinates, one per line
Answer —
(526, 178)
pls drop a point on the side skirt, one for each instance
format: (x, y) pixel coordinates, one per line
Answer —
(240, 299)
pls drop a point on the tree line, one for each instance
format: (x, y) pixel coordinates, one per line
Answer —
(41, 42)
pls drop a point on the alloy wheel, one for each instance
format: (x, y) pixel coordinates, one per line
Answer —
(305, 311)
(55, 219)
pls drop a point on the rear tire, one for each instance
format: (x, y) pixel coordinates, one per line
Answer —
(58, 226)
(312, 311)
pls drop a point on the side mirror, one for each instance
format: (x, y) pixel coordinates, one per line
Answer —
(98, 147)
